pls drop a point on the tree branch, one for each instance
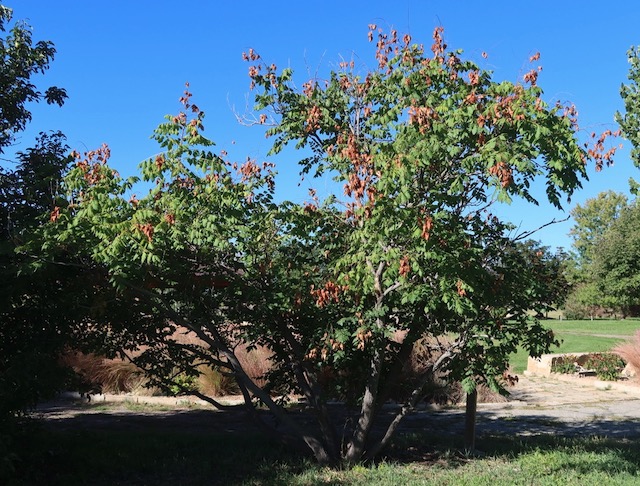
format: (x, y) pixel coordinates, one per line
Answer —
(391, 288)
(527, 234)
(414, 398)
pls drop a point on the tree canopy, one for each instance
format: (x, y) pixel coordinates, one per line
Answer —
(408, 259)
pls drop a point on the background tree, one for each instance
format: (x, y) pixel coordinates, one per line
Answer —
(592, 220)
(20, 60)
(630, 121)
(615, 263)
(32, 312)
(343, 291)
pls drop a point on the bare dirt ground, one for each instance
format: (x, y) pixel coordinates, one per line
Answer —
(559, 404)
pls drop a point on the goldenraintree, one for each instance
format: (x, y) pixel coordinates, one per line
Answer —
(203, 263)
(342, 292)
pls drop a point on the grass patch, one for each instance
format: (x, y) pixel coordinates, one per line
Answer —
(539, 460)
(582, 337)
(142, 407)
(147, 457)
(623, 328)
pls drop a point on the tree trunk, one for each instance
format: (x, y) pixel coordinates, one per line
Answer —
(308, 382)
(402, 357)
(470, 421)
(408, 407)
(356, 447)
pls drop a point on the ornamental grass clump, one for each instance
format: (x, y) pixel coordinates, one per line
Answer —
(629, 351)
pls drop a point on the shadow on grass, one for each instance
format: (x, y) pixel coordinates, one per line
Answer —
(146, 456)
(202, 447)
(537, 455)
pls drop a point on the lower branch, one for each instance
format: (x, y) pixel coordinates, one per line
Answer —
(247, 386)
(245, 381)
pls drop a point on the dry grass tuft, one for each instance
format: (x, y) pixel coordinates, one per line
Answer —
(629, 351)
(256, 363)
(214, 382)
(99, 374)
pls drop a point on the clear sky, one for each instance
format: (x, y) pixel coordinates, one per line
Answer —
(124, 65)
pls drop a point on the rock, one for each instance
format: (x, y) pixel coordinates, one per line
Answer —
(629, 371)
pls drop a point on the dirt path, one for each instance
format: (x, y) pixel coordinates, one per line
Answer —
(538, 405)
(566, 405)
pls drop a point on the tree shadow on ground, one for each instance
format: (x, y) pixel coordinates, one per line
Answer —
(609, 447)
(207, 447)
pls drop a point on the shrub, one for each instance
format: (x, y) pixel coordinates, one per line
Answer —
(183, 383)
(606, 365)
(564, 364)
(574, 309)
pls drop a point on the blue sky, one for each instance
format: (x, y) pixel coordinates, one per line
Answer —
(124, 65)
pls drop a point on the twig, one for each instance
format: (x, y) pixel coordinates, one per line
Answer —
(526, 234)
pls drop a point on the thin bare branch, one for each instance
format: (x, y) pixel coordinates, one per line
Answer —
(527, 234)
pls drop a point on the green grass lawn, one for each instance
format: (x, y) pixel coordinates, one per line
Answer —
(583, 337)
(625, 327)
